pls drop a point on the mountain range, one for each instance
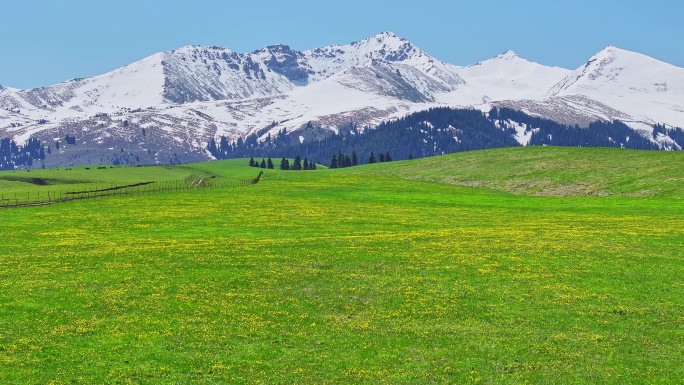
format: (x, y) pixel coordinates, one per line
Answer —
(172, 103)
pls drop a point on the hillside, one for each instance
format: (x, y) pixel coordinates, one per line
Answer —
(529, 171)
(550, 171)
(440, 131)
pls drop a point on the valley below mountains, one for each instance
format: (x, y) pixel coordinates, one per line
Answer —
(171, 106)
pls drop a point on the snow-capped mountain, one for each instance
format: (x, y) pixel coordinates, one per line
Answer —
(648, 90)
(614, 84)
(507, 76)
(176, 101)
(195, 73)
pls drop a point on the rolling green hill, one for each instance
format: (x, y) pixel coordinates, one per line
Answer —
(551, 171)
(83, 176)
(388, 273)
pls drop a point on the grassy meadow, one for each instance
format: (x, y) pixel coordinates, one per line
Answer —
(536, 265)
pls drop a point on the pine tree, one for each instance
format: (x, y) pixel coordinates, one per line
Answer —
(251, 162)
(388, 158)
(354, 159)
(224, 147)
(371, 158)
(211, 147)
(306, 164)
(333, 161)
(269, 163)
(382, 157)
(297, 163)
(284, 164)
(263, 163)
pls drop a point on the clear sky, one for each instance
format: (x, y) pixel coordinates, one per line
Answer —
(48, 41)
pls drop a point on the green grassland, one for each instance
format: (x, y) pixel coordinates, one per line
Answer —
(75, 178)
(466, 268)
(557, 171)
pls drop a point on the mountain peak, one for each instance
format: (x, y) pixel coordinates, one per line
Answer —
(387, 46)
(619, 59)
(275, 49)
(279, 47)
(384, 39)
(188, 47)
(199, 48)
(611, 52)
(508, 55)
(612, 48)
(386, 36)
(615, 71)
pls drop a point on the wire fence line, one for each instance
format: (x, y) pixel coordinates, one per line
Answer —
(41, 198)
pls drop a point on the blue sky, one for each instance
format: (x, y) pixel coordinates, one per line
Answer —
(48, 41)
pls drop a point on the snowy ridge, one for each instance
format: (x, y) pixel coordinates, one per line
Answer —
(386, 47)
(507, 76)
(648, 90)
(191, 94)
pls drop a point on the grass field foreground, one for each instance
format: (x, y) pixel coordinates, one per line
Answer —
(345, 276)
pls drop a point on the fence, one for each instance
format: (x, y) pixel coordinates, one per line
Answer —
(40, 198)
